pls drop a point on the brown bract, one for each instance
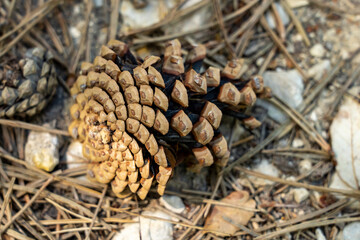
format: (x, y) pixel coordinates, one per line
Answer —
(212, 113)
(179, 94)
(229, 94)
(235, 68)
(173, 65)
(203, 156)
(212, 76)
(195, 82)
(181, 123)
(197, 53)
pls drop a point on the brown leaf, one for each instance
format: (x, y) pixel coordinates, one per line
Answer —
(228, 219)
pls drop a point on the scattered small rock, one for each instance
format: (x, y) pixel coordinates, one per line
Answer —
(98, 3)
(266, 168)
(345, 41)
(260, 61)
(317, 196)
(297, 3)
(305, 166)
(297, 143)
(345, 142)
(192, 21)
(129, 229)
(291, 178)
(75, 31)
(351, 231)
(173, 203)
(135, 18)
(319, 234)
(219, 218)
(74, 155)
(355, 91)
(287, 86)
(320, 69)
(155, 229)
(300, 194)
(149, 229)
(283, 16)
(317, 50)
(42, 150)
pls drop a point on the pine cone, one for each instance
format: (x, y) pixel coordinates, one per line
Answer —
(130, 113)
(28, 85)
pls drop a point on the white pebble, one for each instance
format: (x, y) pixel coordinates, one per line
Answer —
(305, 166)
(319, 234)
(173, 203)
(42, 150)
(317, 50)
(320, 69)
(266, 168)
(287, 86)
(147, 229)
(297, 143)
(300, 194)
(352, 231)
(74, 154)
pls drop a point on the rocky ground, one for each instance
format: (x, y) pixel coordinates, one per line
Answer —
(297, 176)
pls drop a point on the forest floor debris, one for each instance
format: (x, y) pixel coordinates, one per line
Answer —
(309, 146)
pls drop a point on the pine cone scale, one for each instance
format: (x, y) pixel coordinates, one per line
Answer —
(27, 85)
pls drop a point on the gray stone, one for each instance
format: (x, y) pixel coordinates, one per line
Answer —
(319, 234)
(287, 86)
(267, 168)
(300, 194)
(134, 18)
(352, 231)
(149, 229)
(98, 3)
(318, 70)
(173, 203)
(129, 229)
(192, 21)
(283, 16)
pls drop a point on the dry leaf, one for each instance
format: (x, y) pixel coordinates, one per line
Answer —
(227, 219)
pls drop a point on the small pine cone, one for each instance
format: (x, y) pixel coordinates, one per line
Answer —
(129, 113)
(28, 85)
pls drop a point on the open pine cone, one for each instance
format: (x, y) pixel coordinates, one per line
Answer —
(130, 113)
(26, 86)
